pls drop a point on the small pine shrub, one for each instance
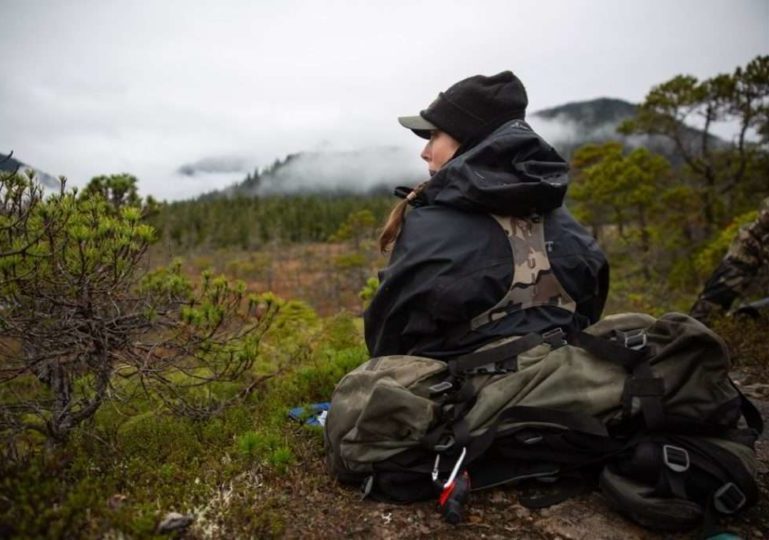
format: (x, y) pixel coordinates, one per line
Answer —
(281, 459)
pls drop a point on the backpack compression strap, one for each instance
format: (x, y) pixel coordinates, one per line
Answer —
(504, 356)
(634, 357)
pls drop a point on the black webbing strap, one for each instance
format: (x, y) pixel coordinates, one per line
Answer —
(752, 417)
(487, 472)
(564, 489)
(650, 395)
(552, 449)
(502, 353)
(726, 460)
(642, 383)
(607, 350)
(581, 423)
(454, 408)
(645, 386)
(675, 480)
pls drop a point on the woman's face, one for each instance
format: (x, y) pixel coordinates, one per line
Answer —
(439, 149)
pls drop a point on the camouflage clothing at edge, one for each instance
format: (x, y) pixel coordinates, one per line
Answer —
(747, 255)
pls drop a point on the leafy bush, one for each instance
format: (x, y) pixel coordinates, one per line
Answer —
(76, 313)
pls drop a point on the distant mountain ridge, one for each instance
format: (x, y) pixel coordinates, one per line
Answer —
(366, 170)
(10, 164)
(591, 114)
(572, 125)
(566, 127)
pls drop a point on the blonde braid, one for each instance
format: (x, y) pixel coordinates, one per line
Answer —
(392, 227)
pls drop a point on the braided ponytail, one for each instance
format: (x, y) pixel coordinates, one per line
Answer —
(392, 227)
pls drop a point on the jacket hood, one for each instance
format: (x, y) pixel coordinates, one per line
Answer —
(513, 171)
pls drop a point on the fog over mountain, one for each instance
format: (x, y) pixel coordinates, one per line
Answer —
(380, 168)
(356, 171)
(569, 126)
(566, 127)
(222, 164)
(9, 164)
(572, 125)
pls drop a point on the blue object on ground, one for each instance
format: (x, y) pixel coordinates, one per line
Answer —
(311, 415)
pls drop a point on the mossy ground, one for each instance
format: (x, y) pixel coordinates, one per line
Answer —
(134, 462)
(252, 473)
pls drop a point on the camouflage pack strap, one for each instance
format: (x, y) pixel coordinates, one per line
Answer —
(534, 283)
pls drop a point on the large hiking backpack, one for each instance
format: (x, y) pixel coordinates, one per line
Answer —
(643, 406)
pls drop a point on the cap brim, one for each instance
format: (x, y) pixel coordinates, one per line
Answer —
(418, 125)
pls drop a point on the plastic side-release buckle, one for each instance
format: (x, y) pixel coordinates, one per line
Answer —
(635, 339)
(492, 368)
(728, 499)
(555, 337)
(366, 487)
(444, 446)
(441, 387)
(676, 458)
(529, 437)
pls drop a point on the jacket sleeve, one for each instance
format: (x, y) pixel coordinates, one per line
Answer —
(398, 314)
(592, 307)
(447, 266)
(580, 264)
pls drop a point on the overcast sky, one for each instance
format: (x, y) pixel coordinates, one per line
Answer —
(103, 86)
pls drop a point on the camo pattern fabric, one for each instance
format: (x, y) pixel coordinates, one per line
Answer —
(748, 254)
(534, 282)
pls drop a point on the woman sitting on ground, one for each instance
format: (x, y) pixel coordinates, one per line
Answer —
(488, 251)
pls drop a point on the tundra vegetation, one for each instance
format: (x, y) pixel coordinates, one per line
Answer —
(149, 352)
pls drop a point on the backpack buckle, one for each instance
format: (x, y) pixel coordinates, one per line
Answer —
(440, 388)
(676, 458)
(635, 339)
(529, 437)
(366, 487)
(555, 337)
(729, 498)
(493, 368)
(443, 446)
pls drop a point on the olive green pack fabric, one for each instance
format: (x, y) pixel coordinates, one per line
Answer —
(385, 407)
(715, 476)
(378, 410)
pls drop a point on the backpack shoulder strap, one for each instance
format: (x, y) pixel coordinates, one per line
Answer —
(534, 283)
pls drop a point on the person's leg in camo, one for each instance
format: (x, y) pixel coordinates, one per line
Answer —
(747, 255)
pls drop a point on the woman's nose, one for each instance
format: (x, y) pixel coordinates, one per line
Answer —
(426, 153)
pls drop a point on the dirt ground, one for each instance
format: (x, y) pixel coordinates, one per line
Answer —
(318, 507)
